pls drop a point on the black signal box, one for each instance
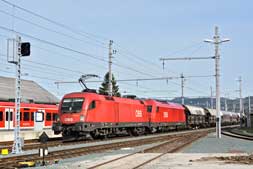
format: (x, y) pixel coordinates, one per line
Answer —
(25, 49)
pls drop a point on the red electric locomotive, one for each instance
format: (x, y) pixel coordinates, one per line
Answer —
(85, 114)
(165, 116)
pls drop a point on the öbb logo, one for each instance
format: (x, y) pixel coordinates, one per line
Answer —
(138, 113)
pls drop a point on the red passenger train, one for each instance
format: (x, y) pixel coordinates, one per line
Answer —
(28, 111)
(90, 114)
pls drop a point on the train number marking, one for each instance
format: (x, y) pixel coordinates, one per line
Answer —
(68, 119)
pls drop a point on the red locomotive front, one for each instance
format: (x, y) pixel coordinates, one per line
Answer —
(85, 114)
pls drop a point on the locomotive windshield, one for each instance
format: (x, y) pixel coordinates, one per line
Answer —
(72, 105)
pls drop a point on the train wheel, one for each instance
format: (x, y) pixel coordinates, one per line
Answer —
(138, 131)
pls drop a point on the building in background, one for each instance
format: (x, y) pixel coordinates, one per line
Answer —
(31, 92)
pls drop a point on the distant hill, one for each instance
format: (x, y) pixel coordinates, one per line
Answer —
(232, 104)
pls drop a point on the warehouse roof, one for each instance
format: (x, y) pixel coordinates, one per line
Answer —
(30, 91)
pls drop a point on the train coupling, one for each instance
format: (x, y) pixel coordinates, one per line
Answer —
(57, 128)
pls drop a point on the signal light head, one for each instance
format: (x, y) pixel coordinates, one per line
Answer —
(25, 49)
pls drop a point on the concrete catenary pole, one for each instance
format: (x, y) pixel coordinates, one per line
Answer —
(241, 102)
(110, 68)
(217, 73)
(182, 87)
(217, 41)
(211, 97)
(248, 115)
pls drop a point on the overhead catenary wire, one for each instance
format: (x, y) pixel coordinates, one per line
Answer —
(143, 73)
(73, 50)
(115, 64)
(48, 65)
(57, 32)
(85, 34)
(82, 33)
(51, 30)
(142, 79)
(67, 69)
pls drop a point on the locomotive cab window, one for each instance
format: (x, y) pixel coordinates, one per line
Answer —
(149, 109)
(92, 105)
(72, 105)
(157, 109)
(1, 116)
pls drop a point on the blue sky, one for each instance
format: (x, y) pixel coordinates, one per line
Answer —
(143, 31)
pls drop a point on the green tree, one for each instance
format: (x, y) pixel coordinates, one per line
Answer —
(104, 89)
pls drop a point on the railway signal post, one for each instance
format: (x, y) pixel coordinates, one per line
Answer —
(19, 49)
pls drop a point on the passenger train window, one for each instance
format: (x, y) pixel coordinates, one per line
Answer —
(39, 116)
(149, 109)
(11, 116)
(48, 117)
(6, 116)
(26, 116)
(1, 116)
(7, 113)
(92, 105)
(55, 116)
(32, 116)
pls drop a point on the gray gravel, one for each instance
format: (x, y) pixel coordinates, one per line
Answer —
(97, 158)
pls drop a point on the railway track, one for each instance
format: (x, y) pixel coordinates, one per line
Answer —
(12, 162)
(230, 133)
(35, 144)
(170, 146)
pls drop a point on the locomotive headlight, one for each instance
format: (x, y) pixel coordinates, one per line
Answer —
(82, 118)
